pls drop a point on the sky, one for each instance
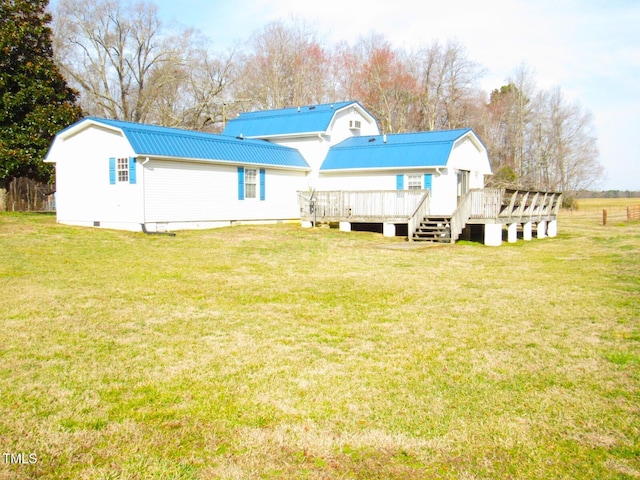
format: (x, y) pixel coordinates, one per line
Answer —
(589, 48)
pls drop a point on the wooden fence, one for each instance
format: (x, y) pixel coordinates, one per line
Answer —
(27, 195)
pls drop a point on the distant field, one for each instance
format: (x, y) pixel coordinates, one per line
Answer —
(279, 352)
(616, 207)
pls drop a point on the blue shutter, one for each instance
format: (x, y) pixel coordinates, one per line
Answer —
(240, 183)
(399, 182)
(427, 181)
(132, 170)
(112, 171)
(262, 192)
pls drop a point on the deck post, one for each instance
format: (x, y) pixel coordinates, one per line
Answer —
(552, 228)
(389, 229)
(541, 230)
(493, 234)
(512, 231)
(345, 226)
(526, 231)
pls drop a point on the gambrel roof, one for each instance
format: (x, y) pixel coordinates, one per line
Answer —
(405, 150)
(314, 119)
(164, 142)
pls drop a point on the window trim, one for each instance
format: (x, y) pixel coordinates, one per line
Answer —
(251, 174)
(414, 182)
(122, 170)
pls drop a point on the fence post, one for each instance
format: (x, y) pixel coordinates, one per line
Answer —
(604, 217)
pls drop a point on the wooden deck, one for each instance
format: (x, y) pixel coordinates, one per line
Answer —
(412, 207)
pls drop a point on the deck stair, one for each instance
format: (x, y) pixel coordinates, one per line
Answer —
(433, 229)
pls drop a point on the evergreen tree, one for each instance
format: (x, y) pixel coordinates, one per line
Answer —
(35, 101)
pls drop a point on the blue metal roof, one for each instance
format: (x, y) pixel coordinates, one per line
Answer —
(159, 141)
(287, 121)
(404, 150)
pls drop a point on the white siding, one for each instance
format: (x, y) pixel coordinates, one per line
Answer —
(444, 199)
(339, 129)
(358, 181)
(471, 156)
(443, 185)
(83, 192)
(204, 192)
(314, 149)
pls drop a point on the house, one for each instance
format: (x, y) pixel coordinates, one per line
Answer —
(312, 130)
(345, 151)
(130, 176)
(446, 163)
(319, 163)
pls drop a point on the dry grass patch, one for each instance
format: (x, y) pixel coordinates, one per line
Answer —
(278, 352)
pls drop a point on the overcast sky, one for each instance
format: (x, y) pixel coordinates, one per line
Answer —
(590, 48)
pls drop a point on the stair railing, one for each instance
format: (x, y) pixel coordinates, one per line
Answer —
(461, 216)
(421, 211)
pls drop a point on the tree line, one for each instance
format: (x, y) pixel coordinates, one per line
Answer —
(126, 64)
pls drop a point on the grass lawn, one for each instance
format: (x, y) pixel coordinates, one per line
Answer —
(278, 352)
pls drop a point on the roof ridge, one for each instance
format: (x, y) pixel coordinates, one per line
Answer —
(174, 131)
(297, 109)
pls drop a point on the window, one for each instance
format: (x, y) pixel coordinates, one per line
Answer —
(250, 183)
(122, 169)
(354, 124)
(414, 182)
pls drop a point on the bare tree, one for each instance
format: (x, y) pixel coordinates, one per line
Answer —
(568, 159)
(376, 74)
(192, 94)
(126, 65)
(447, 85)
(286, 66)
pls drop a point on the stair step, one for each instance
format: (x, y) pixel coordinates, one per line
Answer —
(433, 229)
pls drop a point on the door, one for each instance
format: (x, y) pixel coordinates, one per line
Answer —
(463, 183)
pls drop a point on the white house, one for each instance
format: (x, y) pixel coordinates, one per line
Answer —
(129, 176)
(342, 144)
(446, 163)
(312, 130)
(322, 161)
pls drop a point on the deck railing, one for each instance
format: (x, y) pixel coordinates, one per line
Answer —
(513, 206)
(462, 214)
(485, 203)
(421, 211)
(371, 205)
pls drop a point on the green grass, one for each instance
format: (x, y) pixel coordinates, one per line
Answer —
(278, 352)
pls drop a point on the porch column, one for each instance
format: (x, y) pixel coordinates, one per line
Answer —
(306, 224)
(541, 231)
(552, 228)
(345, 226)
(512, 231)
(389, 230)
(493, 234)
(526, 231)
